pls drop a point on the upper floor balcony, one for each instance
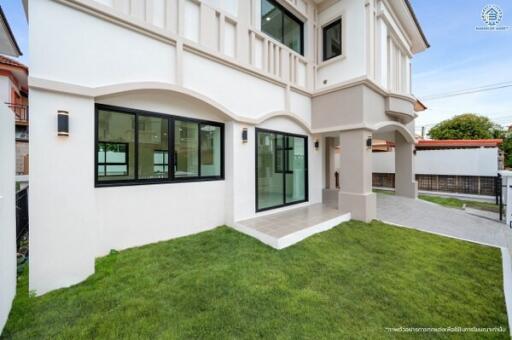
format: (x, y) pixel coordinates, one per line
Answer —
(20, 112)
(309, 45)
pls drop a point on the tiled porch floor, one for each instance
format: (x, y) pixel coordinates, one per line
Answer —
(283, 229)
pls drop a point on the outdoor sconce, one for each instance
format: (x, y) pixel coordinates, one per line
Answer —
(369, 142)
(414, 152)
(63, 123)
(317, 144)
(245, 135)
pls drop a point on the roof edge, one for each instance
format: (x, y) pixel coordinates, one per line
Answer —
(9, 30)
(416, 21)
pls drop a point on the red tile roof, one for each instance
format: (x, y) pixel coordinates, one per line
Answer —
(11, 62)
(457, 143)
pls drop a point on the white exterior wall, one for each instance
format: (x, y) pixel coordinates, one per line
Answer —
(93, 52)
(455, 162)
(392, 52)
(352, 63)
(5, 89)
(7, 213)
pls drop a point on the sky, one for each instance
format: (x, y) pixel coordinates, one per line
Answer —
(460, 57)
(13, 10)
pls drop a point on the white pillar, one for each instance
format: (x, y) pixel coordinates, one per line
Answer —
(405, 182)
(356, 193)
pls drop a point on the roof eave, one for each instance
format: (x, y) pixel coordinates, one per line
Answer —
(418, 26)
(14, 43)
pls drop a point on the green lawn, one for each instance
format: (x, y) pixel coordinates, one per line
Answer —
(458, 203)
(352, 281)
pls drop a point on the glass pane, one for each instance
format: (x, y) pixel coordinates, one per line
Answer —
(271, 20)
(116, 153)
(116, 146)
(292, 34)
(153, 147)
(270, 183)
(332, 40)
(101, 170)
(116, 170)
(296, 169)
(186, 140)
(279, 154)
(101, 153)
(210, 150)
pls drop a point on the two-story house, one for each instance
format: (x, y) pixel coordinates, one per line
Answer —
(14, 93)
(162, 118)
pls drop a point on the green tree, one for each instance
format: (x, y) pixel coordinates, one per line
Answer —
(466, 126)
(506, 146)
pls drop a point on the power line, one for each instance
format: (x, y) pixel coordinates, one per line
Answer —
(485, 88)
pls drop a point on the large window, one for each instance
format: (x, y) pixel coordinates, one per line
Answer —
(281, 169)
(332, 40)
(282, 25)
(138, 147)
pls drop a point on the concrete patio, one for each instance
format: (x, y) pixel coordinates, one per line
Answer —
(430, 217)
(283, 229)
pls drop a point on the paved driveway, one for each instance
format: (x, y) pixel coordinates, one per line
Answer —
(430, 217)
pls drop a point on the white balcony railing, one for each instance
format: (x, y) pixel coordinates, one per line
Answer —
(219, 31)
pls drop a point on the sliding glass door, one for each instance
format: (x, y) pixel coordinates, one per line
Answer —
(281, 169)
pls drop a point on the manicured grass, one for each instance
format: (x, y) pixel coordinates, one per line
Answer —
(450, 202)
(352, 281)
(458, 203)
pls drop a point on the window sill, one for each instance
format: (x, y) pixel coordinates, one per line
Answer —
(330, 61)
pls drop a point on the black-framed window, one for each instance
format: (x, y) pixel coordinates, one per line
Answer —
(332, 44)
(138, 147)
(281, 25)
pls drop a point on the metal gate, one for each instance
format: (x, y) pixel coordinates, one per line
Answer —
(21, 214)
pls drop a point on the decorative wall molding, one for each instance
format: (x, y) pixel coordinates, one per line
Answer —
(108, 90)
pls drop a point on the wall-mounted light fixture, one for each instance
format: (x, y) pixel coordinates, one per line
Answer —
(245, 135)
(369, 142)
(317, 144)
(63, 123)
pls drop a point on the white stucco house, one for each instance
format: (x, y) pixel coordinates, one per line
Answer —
(163, 118)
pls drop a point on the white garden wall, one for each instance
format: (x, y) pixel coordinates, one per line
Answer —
(7, 213)
(457, 162)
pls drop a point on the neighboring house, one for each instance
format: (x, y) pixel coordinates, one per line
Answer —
(449, 166)
(9, 47)
(14, 93)
(159, 119)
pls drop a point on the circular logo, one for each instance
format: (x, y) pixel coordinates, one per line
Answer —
(492, 15)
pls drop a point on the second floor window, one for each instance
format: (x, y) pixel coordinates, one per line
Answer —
(282, 25)
(332, 40)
